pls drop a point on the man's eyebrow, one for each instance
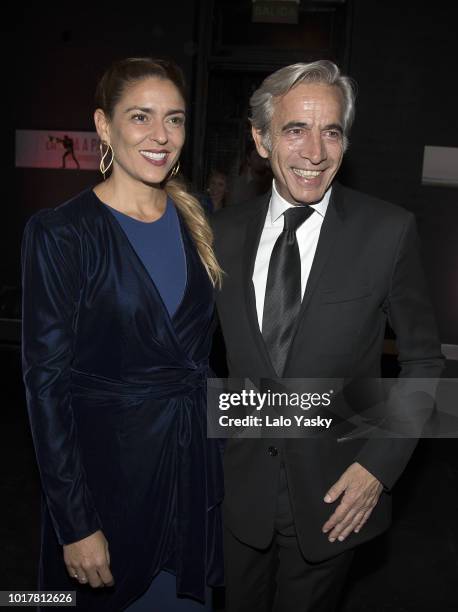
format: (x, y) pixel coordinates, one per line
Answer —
(302, 124)
(294, 124)
(334, 126)
(147, 109)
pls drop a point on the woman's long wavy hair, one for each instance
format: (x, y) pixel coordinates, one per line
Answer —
(109, 91)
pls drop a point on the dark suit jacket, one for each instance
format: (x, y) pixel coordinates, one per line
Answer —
(366, 270)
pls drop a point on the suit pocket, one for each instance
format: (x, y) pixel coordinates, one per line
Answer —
(345, 294)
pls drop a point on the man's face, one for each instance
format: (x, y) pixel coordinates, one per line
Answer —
(307, 141)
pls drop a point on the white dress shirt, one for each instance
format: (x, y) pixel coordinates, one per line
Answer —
(307, 239)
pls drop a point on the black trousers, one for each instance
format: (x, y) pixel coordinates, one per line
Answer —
(278, 578)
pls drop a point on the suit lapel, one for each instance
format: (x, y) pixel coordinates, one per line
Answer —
(330, 229)
(253, 233)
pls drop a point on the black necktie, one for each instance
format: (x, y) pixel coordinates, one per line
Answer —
(283, 289)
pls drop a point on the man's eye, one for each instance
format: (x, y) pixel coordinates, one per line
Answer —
(295, 131)
(335, 134)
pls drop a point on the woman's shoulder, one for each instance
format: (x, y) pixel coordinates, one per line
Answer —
(67, 216)
(64, 225)
(83, 205)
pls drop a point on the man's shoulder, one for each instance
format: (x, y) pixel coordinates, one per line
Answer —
(357, 203)
(238, 214)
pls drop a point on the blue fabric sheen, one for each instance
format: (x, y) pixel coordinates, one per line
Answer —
(117, 404)
(160, 248)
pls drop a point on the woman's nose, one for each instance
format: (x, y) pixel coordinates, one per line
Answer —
(158, 133)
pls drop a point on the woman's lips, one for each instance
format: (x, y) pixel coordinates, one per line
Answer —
(156, 158)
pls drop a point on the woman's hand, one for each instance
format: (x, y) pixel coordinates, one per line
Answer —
(88, 560)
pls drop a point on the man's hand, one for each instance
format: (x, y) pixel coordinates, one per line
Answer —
(88, 560)
(361, 493)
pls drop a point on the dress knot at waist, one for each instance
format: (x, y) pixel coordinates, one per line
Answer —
(167, 383)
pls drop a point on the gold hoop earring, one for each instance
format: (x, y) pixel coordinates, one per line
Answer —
(109, 149)
(175, 170)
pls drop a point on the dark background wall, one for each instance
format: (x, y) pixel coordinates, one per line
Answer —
(403, 58)
(60, 52)
(401, 54)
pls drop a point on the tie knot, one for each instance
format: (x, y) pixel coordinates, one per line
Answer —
(295, 217)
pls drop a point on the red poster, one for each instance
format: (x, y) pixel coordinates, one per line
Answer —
(57, 149)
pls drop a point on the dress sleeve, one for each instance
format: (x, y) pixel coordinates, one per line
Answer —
(51, 285)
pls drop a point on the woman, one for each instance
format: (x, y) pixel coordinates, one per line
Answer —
(117, 322)
(217, 188)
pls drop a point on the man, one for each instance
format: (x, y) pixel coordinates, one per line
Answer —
(313, 272)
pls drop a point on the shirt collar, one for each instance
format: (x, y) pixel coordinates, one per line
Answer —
(278, 204)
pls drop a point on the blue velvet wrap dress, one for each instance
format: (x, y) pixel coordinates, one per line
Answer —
(116, 393)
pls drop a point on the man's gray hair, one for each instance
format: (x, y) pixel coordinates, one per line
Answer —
(282, 81)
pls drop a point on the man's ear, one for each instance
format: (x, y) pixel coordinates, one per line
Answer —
(257, 137)
(102, 125)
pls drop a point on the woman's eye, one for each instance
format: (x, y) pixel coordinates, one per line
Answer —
(140, 117)
(178, 120)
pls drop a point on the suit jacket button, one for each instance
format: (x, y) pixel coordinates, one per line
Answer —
(273, 452)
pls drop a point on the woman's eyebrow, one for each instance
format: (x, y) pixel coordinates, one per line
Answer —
(148, 109)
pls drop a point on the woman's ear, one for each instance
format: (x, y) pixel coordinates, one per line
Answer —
(102, 125)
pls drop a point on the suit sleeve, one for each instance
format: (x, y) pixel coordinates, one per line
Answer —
(51, 285)
(411, 316)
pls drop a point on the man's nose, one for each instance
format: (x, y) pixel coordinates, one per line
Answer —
(314, 148)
